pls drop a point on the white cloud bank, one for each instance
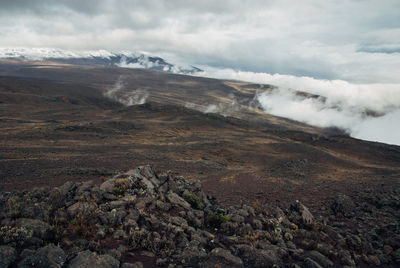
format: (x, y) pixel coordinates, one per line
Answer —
(366, 111)
(385, 128)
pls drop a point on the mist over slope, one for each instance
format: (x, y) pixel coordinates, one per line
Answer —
(365, 111)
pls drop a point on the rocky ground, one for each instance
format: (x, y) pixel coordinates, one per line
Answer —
(143, 219)
(58, 123)
(60, 128)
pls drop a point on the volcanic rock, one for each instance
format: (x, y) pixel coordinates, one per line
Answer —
(7, 256)
(166, 220)
(93, 260)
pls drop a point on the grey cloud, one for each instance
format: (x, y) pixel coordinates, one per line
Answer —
(24, 6)
(380, 48)
(315, 38)
(49, 6)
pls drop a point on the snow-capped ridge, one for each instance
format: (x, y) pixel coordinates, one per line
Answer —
(126, 59)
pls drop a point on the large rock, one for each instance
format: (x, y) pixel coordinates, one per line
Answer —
(237, 218)
(59, 195)
(345, 258)
(67, 187)
(49, 256)
(178, 221)
(108, 185)
(56, 198)
(257, 258)
(36, 260)
(39, 228)
(305, 213)
(85, 186)
(7, 256)
(145, 175)
(394, 241)
(132, 265)
(321, 259)
(175, 199)
(88, 259)
(309, 263)
(343, 205)
(192, 256)
(219, 257)
(81, 207)
(148, 173)
(54, 254)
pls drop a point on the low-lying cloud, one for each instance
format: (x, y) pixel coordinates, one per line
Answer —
(385, 128)
(313, 111)
(225, 109)
(128, 97)
(365, 111)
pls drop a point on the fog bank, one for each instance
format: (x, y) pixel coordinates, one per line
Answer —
(365, 111)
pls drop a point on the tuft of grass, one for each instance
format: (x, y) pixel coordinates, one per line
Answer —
(214, 220)
(193, 200)
(13, 208)
(121, 186)
(119, 190)
(337, 225)
(82, 224)
(288, 236)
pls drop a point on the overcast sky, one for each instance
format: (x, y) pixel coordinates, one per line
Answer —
(353, 40)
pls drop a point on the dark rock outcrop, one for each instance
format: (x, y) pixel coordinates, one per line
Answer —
(88, 259)
(48, 256)
(7, 256)
(343, 205)
(143, 219)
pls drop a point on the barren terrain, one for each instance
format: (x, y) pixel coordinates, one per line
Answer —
(57, 125)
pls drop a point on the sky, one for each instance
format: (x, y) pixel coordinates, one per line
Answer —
(348, 50)
(330, 39)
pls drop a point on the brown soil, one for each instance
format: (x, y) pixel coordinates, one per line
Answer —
(56, 126)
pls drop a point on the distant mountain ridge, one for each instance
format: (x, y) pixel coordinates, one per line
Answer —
(135, 60)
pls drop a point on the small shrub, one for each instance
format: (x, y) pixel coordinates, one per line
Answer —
(214, 220)
(253, 237)
(27, 198)
(118, 190)
(13, 208)
(18, 235)
(84, 221)
(337, 225)
(137, 238)
(193, 200)
(293, 226)
(121, 186)
(316, 227)
(82, 225)
(258, 207)
(288, 236)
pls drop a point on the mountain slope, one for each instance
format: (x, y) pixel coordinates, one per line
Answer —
(59, 124)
